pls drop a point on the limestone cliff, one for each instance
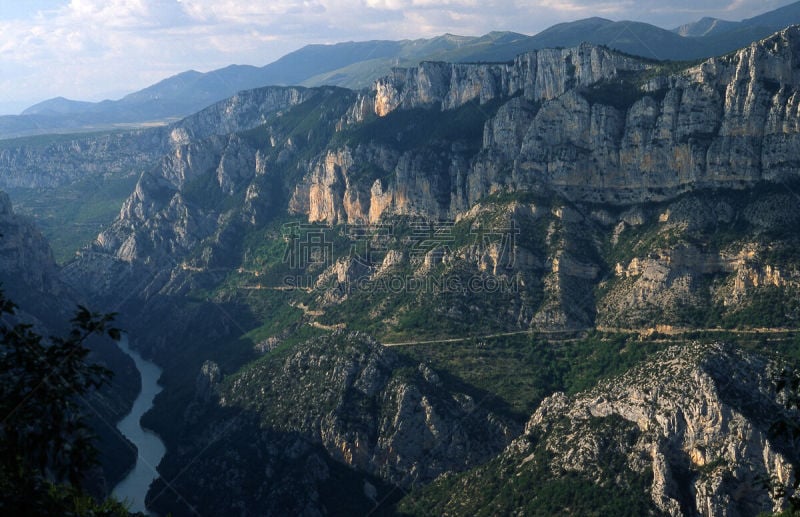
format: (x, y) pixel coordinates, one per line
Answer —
(537, 75)
(26, 262)
(587, 122)
(243, 111)
(704, 415)
(642, 196)
(336, 189)
(725, 122)
(673, 262)
(44, 162)
(176, 204)
(39, 163)
(689, 433)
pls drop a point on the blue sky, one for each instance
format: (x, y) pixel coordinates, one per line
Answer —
(96, 49)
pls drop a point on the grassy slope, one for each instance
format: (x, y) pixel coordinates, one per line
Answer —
(71, 217)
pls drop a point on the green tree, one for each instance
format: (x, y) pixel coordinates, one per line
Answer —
(45, 443)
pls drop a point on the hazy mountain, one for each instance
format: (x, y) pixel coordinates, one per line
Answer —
(58, 106)
(635, 38)
(357, 64)
(704, 38)
(775, 19)
(190, 91)
(495, 46)
(704, 27)
(769, 22)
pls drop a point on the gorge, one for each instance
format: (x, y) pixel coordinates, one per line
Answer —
(638, 218)
(150, 448)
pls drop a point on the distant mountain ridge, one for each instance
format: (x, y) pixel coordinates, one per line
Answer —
(723, 32)
(704, 27)
(58, 106)
(356, 65)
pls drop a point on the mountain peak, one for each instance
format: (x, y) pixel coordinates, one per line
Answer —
(594, 21)
(58, 106)
(704, 27)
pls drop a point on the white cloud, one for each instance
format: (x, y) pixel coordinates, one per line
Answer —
(584, 8)
(665, 13)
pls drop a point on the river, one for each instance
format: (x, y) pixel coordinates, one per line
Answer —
(151, 449)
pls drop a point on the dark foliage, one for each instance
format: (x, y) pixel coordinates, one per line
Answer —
(45, 443)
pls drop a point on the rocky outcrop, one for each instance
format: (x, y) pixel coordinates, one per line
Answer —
(156, 221)
(243, 111)
(746, 269)
(724, 123)
(35, 163)
(208, 172)
(591, 124)
(25, 257)
(537, 75)
(701, 251)
(413, 420)
(694, 419)
(584, 122)
(364, 184)
(51, 165)
(344, 400)
(688, 433)
(173, 208)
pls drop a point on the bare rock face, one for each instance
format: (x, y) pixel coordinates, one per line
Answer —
(245, 110)
(538, 75)
(344, 397)
(673, 267)
(27, 268)
(714, 125)
(155, 220)
(174, 206)
(580, 125)
(364, 184)
(412, 189)
(688, 433)
(33, 165)
(505, 133)
(571, 122)
(414, 419)
(728, 122)
(700, 410)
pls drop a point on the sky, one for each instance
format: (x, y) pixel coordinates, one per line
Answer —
(97, 49)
